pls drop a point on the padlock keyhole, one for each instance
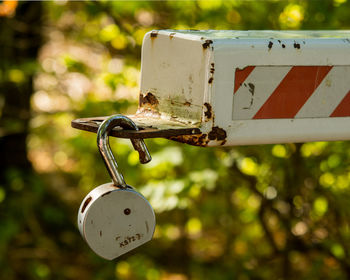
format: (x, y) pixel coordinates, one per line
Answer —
(127, 211)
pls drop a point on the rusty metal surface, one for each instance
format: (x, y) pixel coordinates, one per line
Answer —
(92, 124)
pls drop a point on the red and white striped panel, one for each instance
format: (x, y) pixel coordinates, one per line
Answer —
(278, 92)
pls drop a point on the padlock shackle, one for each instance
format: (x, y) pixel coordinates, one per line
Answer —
(105, 149)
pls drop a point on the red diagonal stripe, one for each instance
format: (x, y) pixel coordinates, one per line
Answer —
(343, 109)
(241, 75)
(292, 93)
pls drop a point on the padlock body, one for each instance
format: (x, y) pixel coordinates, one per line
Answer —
(113, 221)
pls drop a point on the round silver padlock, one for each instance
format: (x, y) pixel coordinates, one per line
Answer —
(114, 218)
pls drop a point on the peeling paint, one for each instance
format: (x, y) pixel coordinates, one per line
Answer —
(252, 91)
(212, 70)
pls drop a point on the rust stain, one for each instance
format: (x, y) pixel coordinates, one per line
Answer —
(148, 105)
(187, 103)
(208, 113)
(154, 34)
(217, 133)
(202, 140)
(194, 140)
(149, 98)
(86, 203)
(207, 43)
(100, 233)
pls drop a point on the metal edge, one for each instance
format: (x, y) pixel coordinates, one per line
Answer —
(92, 124)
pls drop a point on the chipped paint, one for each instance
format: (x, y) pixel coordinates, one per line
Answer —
(148, 105)
(217, 133)
(252, 91)
(149, 98)
(270, 45)
(208, 113)
(296, 45)
(212, 68)
(154, 34)
(207, 43)
(211, 71)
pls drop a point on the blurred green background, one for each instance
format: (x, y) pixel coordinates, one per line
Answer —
(254, 212)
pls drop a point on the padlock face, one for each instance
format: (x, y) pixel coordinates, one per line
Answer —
(114, 221)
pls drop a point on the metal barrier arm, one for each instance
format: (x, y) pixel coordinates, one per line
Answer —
(224, 88)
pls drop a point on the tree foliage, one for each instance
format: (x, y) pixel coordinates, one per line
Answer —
(251, 212)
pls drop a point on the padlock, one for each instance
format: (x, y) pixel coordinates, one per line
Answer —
(114, 218)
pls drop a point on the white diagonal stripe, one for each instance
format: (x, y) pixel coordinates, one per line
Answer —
(262, 81)
(328, 95)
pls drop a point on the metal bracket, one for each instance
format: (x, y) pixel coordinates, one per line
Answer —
(92, 124)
